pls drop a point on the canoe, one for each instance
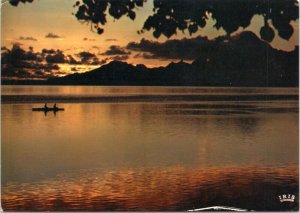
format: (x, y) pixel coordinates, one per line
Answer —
(48, 109)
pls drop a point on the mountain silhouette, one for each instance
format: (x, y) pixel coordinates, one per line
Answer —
(241, 60)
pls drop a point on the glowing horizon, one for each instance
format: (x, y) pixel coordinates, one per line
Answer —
(50, 24)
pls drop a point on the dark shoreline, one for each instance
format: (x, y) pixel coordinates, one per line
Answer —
(6, 99)
(149, 84)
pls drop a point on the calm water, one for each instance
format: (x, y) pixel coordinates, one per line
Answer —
(147, 153)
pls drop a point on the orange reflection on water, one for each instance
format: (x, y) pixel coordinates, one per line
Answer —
(153, 189)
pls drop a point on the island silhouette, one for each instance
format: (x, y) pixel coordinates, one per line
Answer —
(242, 60)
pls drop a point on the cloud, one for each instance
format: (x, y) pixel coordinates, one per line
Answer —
(33, 65)
(54, 56)
(72, 60)
(119, 58)
(36, 66)
(52, 35)
(188, 49)
(27, 38)
(86, 55)
(48, 51)
(95, 47)
(103, 61)
(28, 70)
(88, 58)
(89, 39)
(111, 39)
(7, 71)
(115, 53)
(57, 57)
(74, 69)
(191, 49)
(95, 61)
(20, 63)
(144, 55)
(18, 54)
(115, 50)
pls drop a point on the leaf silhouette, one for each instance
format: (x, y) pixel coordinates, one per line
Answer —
(172, 15)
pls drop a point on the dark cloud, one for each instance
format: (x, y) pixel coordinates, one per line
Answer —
(144, 55)
(61, 73)
(89, 39)
(119, 58)
(9, 71)
(48, 51)
(111, 39)
(74, 69)
(77, 68)
(88, 58)
(86, 55)
(20, 63)
(115, 50)
(191, 49)
(187, 49)
(138, 55)
(54, 56)
(28, 70)
(72, 60)
(103, 61)
(52, 35)
(57, 57)
(27, 38)
(40, 66)
(18, 54)
(96, 61)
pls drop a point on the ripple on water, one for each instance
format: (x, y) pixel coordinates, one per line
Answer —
(153, 189)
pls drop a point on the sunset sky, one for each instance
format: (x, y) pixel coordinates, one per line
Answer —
(49, 24)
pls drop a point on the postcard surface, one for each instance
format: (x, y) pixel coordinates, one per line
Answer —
(149, 105)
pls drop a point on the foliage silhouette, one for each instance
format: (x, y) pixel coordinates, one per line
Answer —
(169, 16)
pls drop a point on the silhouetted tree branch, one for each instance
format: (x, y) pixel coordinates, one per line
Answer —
(169, 16)
(16, 2)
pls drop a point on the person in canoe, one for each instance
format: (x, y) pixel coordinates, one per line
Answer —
(45, 106)
(54, 106)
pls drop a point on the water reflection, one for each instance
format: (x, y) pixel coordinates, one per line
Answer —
(157, 189)
(48, 112)
(131, 90)
(125, 156)
(118, 135)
